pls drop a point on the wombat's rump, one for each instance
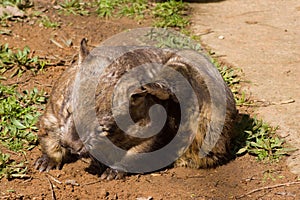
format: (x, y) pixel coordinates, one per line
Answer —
(59, 138)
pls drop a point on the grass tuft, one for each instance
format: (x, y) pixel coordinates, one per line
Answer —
(171, 14)
(19, 114)
(134, 9)
(19, 61)
(166, 14)
(46, 22)
(258, 138)
(21, 4)
(74, 7)
(10, 168)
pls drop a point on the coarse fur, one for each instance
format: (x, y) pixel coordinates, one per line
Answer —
(59, 138)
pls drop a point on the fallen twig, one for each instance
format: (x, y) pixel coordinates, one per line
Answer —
(51, 188)
(263, 103)
(56, 43)
(268, 187)
(285, 102)
(57, 181)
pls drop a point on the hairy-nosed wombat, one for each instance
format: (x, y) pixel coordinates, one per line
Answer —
(59, 137)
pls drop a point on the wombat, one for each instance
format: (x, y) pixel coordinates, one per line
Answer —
(59, 138)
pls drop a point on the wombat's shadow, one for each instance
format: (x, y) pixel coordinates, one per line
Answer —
(244, 123)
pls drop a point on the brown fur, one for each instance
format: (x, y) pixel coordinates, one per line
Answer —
(59, 138)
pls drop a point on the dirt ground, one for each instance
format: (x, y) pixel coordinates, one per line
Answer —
(231, 181)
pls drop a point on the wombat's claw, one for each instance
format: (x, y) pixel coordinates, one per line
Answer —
(44, 164)
(111, 174)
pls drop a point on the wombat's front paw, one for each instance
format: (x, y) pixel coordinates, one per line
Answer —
(44, 163)
(110, 174)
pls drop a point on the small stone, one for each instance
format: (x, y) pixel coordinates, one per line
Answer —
(221, 37)
(72, 182)
(144, 198)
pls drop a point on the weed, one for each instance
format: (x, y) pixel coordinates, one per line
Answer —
(167, 14)
(134, 8)
(48, 23)
(270, 174)
(229, 74)
(5, 32)
(74, 7)
(233, 80)
(19, 114)
(4, 18)
(129, 8)
(11, 169)
(21, 4)
(259, 139)
(19, 62)
(164, 38)
(171, 14)
(105, 8)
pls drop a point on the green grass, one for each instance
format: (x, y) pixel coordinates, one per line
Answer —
(4, 19)
(166, 14)
(170, 39)
(21, 4)
(233, 80)
(259, 139)
(46, 22)
(19, 61)
(115, 8)
(106, 8)
(171, 14)
(10, 168)
(74, 7)
(19, 114)
(134, 9)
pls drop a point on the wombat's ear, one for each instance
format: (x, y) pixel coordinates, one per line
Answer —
(83, 52)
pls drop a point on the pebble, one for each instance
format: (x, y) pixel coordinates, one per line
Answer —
(221, 37)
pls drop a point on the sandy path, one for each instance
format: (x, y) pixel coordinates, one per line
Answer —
(263, 39)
